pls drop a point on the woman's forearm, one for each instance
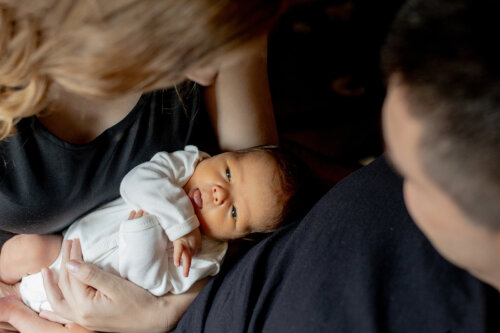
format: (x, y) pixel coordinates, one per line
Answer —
(171, 308)
(240, 104)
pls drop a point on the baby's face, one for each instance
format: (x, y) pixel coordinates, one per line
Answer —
(233, 194)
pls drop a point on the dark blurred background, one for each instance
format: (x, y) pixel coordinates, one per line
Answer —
(326, 85)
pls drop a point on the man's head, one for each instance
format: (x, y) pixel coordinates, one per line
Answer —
(442, 126)
(238, 193)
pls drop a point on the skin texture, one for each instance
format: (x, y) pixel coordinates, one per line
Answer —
(238, 101)
(27, 254)
(239, 192)
(458, 238)
(25, 320)
(185, 248)
(241, 109)
(75, 285)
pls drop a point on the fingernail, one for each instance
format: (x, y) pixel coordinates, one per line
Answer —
(73, 266)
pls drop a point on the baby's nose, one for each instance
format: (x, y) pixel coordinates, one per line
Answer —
(219, 194)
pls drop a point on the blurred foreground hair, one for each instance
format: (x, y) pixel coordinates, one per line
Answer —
(108, 48)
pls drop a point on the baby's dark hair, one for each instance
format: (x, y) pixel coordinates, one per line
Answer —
(294, 178)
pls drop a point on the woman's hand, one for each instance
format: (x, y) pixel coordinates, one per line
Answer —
(14, 312)
(94, 298)
(105, 302)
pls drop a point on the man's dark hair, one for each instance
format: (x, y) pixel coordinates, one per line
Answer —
(295, 180)
(446, 56)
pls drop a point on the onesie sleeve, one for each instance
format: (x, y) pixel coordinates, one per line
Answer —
(142, 254)
(206, 263)
(146, 259)
(157, 188)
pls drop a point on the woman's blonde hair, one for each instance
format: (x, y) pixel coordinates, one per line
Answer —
(106, 48)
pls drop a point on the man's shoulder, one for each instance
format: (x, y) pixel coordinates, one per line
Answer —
(355, 263)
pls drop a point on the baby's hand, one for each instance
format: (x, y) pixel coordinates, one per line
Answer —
(187, 246)
(135, 215)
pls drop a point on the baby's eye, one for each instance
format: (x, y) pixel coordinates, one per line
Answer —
(228, 174)
(234, 214)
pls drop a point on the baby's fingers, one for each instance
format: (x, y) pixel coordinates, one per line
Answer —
(178, 249)
(186, 263)
(137, 214)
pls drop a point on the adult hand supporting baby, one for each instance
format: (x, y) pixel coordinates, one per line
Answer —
(14, 312)
(102, 301)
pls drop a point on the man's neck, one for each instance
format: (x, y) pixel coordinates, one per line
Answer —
(492, 277)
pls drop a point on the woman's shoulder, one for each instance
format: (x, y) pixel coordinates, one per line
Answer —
(46, 183)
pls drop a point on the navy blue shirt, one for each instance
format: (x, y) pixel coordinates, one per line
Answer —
(355, 263)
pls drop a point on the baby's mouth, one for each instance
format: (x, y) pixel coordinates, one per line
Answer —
(196, 199)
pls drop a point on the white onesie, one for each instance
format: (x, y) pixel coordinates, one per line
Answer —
(141, 250)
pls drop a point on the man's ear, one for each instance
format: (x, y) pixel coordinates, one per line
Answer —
(496, 239)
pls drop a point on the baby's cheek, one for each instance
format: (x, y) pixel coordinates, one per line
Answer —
(204, 226)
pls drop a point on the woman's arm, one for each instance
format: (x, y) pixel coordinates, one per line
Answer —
(239, 102)
(102, 301)
(23, 319)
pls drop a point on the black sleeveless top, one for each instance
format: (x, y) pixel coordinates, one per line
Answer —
(46, 183)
